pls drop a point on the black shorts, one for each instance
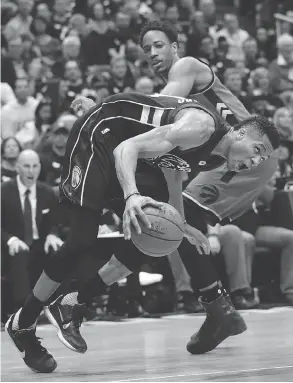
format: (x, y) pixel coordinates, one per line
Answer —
(89, 176)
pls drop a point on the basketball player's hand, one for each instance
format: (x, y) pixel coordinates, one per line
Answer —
(81, 103)
(15, 245)
(134, 212)
(53, 242)
(196, 238)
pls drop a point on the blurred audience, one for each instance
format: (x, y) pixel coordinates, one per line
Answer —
(54, 50)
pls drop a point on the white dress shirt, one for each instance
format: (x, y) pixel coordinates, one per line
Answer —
(33, 200)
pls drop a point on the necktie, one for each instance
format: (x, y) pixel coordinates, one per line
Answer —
(28, 222)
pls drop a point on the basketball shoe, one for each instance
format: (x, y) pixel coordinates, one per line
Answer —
(222, 320)
(67, 319)
(34, 355)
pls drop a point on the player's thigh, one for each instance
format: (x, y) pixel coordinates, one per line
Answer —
(272, 236)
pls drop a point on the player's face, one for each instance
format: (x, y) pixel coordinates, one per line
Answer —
(247, 151)
(159, 50)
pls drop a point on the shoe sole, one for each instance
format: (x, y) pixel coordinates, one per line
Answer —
(12, 341)
(59, 333)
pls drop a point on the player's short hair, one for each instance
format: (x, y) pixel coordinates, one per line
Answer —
(262, 126)
(164, 26)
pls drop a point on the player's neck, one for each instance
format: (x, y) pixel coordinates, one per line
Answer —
(222, 148)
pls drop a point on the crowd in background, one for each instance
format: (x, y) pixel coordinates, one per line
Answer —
(54, 50)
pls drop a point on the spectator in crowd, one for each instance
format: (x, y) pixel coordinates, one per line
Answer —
(186, 9)
(10, 149)
(172, 15)
(20, 24)
(60, 18)
(237, 248)
(17, 113)
(43, 10)
(121, 79)
(27, 231)
(233, 81)
(132, 8)
(208, 8)
(250, 53)
(77, 26)
(260, 85)
(53, 150)
(144, 85)
(73, 77)
(281, 69)
(234, 35)
(260, 222)
(7, 94)
(12, 66)
(101, 88)
(265, 44)
(39, 29)
(159, 9)
(198, 29)
(284, 123)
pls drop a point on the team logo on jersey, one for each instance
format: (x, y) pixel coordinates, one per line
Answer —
(76, 177)
(209, 194)
(169, 161)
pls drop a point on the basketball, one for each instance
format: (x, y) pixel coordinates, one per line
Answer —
(164, 236)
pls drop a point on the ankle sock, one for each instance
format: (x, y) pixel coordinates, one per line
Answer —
(70, 299)
(27, 316)
(212, 294)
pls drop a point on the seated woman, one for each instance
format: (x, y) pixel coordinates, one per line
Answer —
(10, 149)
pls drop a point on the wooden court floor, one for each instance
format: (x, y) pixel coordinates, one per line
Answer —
(149, 350)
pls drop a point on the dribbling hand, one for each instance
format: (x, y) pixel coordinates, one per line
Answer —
(133, 211)
(81, 103)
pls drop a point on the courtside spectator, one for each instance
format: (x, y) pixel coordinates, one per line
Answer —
(10, 149)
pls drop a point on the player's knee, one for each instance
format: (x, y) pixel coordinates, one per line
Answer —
(231, 233)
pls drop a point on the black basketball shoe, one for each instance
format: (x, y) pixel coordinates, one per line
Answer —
(67, 319)
(34, 355)
(222, 321)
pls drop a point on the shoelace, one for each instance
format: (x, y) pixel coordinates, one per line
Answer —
(33, 342)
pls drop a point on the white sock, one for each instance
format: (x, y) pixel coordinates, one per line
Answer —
(70, 299)
(15, 326)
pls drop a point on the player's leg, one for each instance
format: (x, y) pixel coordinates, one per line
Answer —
(22, 326)
(127, 258)
(89, 188)
(222, 319)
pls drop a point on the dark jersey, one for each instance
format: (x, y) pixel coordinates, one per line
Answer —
(223, 194)
(89, 170)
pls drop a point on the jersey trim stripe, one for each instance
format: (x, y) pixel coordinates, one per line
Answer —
(89, 163)
(141, 104)
(203, 90)
(158, 117)
(76, 142)
(145, 113)
(185, 194)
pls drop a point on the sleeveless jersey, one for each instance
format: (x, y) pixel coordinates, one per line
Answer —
(223, 194)
(139, 113)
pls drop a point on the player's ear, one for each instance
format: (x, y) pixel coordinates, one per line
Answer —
(174, 47)
(240, 134)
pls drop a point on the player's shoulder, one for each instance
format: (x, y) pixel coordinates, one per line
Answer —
(190, 64)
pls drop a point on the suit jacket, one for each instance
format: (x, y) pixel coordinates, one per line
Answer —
(12, 214)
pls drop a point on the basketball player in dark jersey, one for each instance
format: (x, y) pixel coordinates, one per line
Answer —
(103, 147)
(232, 193)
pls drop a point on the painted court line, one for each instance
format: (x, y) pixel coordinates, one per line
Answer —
(208, 373)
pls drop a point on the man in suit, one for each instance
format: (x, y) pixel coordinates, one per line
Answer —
(28, 233)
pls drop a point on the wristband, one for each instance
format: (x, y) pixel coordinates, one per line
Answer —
(212, 235)
(130, 195)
